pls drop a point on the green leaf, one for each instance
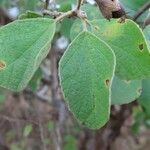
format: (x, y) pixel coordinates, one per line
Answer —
(66, 25)
(76, 28)
(147, 34)
(138, 117)
(27, 130)
(86, 72)
(124, 92)
(29, 5)
(2, 95)
(35, 81)
(69, 142)
(50, 125)
(129, 45)
(65, 5)
(5, 3)
(132, 6)
(145, 96)
(23, 46)
(92, 11)
(29, 14)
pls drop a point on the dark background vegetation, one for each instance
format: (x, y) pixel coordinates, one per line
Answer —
(38, 119)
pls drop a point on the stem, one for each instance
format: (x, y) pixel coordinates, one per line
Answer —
(54, 14)
(64, 15)
(72, 13)
(141, 10)
(46, 4)
(79, 4)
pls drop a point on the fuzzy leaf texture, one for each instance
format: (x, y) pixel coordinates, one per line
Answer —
(86, 72)
(128, 43)
(23, 45)
(124, 92)
(130, 47)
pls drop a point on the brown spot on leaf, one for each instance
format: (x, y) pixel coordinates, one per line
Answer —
(2, 64)
(107, 82)
(141, 47)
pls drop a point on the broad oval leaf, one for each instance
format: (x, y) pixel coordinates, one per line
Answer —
(129, 45)
(86, 72)
(23, 45)
(124, 92)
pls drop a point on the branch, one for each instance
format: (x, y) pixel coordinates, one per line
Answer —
(73, 13)
(141, 10)
(46, 4)
(147, 21)
(54, 14)
(64, 15)
(79, 4)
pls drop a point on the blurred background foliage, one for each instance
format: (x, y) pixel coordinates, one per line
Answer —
(37, 118)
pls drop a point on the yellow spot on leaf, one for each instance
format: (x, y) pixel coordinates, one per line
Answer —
(112, 30)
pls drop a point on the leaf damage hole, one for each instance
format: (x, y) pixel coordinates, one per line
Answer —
(139, 91)
(127, 81)
(141, 46)
(2, 64)
(107, 82)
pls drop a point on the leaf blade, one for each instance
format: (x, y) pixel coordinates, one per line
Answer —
(83, 79)
(23, 45)
(129, 45)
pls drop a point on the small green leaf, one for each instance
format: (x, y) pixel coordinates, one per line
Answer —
(66, 25)
(147, 34)
(29, 14)
(132, 7)
(69, 142)
(145, 96)
(23, 46)
(86, 72)
(27, 130)
(50, 126)
(92, 11)
(35, 81)
(129, 45)
(124, 92)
